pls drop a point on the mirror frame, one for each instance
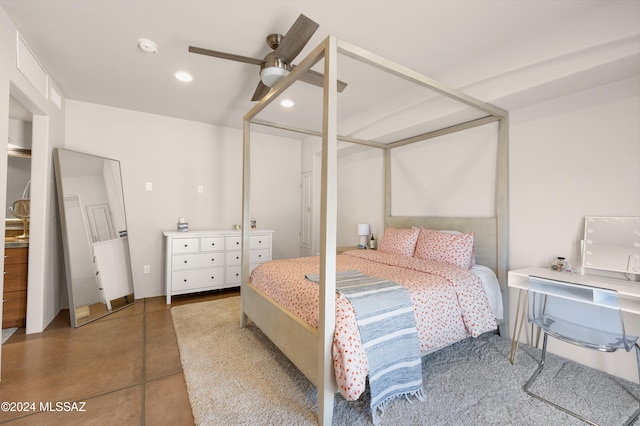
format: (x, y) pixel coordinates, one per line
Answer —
(121, 248)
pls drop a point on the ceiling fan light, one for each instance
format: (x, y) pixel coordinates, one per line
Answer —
(270, 76)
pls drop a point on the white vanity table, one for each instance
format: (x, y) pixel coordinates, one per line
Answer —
(206, 260)
(628, 294)
(610, 248)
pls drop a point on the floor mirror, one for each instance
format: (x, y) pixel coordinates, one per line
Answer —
(94, 234)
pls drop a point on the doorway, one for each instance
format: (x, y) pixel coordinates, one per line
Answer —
(306, 214)
(16, 228)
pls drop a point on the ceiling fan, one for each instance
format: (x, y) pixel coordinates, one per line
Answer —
(277, 64)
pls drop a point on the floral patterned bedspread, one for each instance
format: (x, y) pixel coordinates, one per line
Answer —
(450, 304)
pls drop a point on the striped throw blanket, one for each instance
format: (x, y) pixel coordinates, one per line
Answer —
(386, 322)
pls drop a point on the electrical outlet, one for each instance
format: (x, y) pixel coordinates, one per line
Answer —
(200, 189)
(148, 186)
(147, 269)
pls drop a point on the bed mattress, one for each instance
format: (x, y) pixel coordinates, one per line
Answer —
(450, 303)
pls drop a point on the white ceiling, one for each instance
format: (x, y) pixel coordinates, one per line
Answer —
(512, 53)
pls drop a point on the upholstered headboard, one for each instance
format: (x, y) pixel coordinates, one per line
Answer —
(485, 229)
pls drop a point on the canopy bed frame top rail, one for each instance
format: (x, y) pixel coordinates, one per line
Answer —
(313, 357)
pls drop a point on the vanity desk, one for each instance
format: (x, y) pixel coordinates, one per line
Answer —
(628, 295)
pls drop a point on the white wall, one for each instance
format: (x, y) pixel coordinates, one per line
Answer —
(572, 157)
(176, 156)
(569, 157)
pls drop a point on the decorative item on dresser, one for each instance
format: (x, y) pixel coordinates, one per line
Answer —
(15, 287)
(207, 260)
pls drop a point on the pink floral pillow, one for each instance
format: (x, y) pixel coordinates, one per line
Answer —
(399, 241)
(446, 247)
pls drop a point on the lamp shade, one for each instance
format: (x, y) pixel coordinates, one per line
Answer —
(363, 229)
(270, 76)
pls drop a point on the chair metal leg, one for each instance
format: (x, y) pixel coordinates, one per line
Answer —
(629, 421)
(538, 397)
(638, 359)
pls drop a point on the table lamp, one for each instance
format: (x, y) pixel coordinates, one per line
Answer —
(363, 231)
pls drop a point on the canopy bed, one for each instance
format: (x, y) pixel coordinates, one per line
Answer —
(310, 346)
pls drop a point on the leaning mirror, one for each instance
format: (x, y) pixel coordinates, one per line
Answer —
(612, 244)
(94, 234)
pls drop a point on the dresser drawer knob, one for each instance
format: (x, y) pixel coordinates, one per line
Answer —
(213, 278)
(213, 244)
(185, 261)
(186, 245)
(237, 257)
(259, 255)
(237, 243)
(212, 259)
(185, 280)
(237, 274)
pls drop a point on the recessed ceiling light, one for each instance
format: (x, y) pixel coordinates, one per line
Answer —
(287, 103)
(147, 46)
(184, 76)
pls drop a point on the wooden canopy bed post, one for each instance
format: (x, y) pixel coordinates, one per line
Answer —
(328, 231)
(309, 349)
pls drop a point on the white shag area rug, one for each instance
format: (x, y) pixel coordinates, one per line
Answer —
(237, 376)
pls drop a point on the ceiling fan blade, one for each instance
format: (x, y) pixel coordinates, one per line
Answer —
(260, 92)
(224, 55)
(296, 38)
(317, 79)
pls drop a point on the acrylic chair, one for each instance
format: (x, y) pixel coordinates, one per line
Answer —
(586, 316)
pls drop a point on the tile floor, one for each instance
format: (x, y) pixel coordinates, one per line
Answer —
(123, 369)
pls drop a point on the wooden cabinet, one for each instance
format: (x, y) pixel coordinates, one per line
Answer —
(207, 260)
(16, 265)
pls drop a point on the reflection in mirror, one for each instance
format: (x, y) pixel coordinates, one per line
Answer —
(612, 244)
(94, 233)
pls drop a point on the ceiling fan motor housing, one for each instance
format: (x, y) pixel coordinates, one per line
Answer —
(273, 40)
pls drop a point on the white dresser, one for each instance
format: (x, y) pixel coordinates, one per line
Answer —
(206, 260)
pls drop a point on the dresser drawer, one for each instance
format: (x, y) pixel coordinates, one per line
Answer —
(233, 243)
(199, 260)
(16, 255)
(259, 241)
(15, 309)
(212, 244)
(185, 245)
(259, 256)
(199, 278)
(232, 275)
(15, 277)
(233, 258)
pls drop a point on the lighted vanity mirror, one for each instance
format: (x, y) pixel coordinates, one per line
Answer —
(94, 233)
(612, 244)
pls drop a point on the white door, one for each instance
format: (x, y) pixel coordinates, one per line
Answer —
(100, 226)
(306, 226)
